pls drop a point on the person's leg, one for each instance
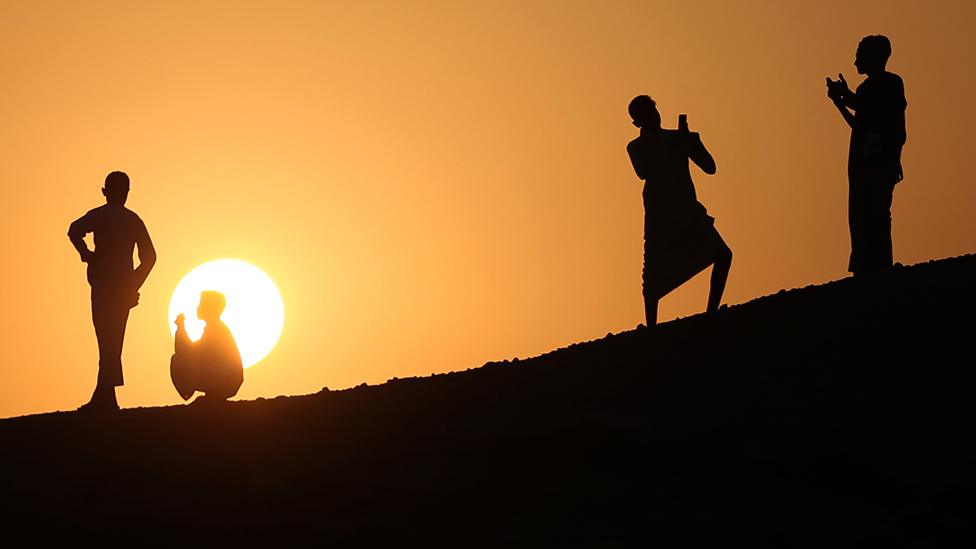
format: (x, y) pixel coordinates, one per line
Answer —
(852, 203)
(720, 275)
(871, 229)
(102, 336)
(862, 247)
(99, 399)
(880, 220)
(650, 311)
(181, 372)
(216, 382)
(650, 301)
(110, 320)
(122, 320)
(212, 394)
(650, 297)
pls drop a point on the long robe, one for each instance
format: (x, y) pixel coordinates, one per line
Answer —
(874, 168)
(680, 239)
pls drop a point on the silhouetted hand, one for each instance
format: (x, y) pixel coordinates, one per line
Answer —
(837, 89)
(87, 256)
(687, 138)
(180, 320)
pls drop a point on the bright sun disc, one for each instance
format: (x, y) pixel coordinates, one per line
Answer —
(255, 313)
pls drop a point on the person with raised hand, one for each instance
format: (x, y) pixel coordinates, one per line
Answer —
(680, 239)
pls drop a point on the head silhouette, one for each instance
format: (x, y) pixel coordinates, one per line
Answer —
(211, 306)
(116, 188)
(643, 112)
(872, 54)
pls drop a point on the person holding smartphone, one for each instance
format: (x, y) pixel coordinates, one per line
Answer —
(680, 239)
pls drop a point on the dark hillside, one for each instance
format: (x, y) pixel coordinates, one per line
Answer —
(828, 415)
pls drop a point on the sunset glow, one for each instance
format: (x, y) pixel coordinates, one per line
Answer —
(255, 313)
(433, 186)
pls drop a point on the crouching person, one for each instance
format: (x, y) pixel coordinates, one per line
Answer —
(211, 365)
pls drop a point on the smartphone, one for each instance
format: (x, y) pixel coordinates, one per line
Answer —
(683, 122)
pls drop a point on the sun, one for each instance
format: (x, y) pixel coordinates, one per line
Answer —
(255, 313)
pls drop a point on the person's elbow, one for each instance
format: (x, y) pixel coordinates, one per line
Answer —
(75, 232)
(707, 164)
(147, 259)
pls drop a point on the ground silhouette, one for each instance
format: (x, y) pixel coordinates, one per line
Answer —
(832, 414)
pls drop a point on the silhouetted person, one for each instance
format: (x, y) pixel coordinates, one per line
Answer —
(211, 365)
(114, 282)
(874, 159)
(680, 239)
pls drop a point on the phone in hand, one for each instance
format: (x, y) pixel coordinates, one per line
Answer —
(682, 122)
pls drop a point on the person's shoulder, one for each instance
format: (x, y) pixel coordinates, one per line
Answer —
(892, 77)
(132, 216)
(223, 337)
(91, 218)
(883, 80)
(94, 214)
(893, 80)
(223, 330)
(635, 147)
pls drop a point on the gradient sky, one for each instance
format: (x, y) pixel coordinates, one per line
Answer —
(433, 185)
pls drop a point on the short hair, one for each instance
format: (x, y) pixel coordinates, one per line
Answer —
(640, 108)
(876, 46)
(215, 299)
(117, 181)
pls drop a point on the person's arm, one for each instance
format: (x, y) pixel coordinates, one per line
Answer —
(233, 353)
(632, 151)
(839, 92)
(894, 134)
(843, 98)
(147, 256)
(895, 106)
(76, 233)
(845, 112)
(849, 98)
(182, 343)
(700, 155)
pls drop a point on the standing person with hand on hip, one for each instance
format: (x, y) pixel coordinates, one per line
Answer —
(114, 282)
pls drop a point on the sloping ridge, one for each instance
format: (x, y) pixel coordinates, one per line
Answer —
(838, 413)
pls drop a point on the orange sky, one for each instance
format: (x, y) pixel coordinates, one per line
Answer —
(436, 185)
